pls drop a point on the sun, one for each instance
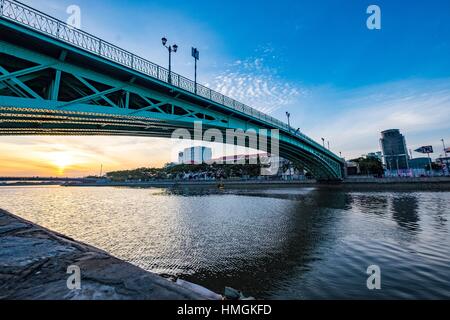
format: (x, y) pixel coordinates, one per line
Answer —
(61, 160)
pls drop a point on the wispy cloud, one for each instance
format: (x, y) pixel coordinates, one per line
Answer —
(252, 82)
(419, 108)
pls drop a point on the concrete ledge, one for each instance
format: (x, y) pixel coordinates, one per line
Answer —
(34, 262)
(410, 184)
(426, 183)
(397, 180)
(200, 183)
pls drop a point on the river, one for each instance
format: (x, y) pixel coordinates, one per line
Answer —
(304, 243)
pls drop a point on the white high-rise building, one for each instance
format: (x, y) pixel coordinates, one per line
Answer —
(195, 155)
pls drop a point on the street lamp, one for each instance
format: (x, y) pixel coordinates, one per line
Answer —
(443, 144)
(173, 48)
(288, 115)
(323, 142)
(196, 56)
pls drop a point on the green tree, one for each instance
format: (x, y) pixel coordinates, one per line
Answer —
(369, 165)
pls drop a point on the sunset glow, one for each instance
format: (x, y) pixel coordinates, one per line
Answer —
(61, 160)
(77, 156)
(83, 156)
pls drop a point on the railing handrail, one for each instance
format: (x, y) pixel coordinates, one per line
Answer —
(161, 72)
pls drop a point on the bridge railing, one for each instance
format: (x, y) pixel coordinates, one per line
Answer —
(39, 21)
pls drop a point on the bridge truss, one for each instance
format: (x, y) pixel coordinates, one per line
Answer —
(57, 80)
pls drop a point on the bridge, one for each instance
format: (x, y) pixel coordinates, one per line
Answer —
(59, 80)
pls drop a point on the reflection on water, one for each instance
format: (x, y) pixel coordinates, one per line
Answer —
(405, 212)
(277, 243)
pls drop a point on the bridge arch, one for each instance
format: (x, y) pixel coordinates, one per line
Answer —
(57, 80)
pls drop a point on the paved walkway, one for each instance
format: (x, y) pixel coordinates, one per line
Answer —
(34, 262)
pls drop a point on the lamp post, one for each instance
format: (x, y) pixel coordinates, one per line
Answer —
(443, 144)
(446, 161)
(170, 48)
(323, 142)
(431, 165)
(288, 115)
(196, 56)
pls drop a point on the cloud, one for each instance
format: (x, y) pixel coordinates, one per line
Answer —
(252, 82)
(419, 108)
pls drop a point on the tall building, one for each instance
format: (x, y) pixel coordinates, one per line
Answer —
(395, 153)
(195, 155)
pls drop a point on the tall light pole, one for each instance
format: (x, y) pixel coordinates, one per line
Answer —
(196, 56)
(288, 115)
(323, 142)
(170, 48)
(443, 144)
(328, 142)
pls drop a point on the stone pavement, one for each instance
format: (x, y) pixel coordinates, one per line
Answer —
(34, 262)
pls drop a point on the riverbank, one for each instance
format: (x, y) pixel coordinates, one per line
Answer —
(34, 263)
(423, 183)
(353, 183)
(201, 183)
(395, 183)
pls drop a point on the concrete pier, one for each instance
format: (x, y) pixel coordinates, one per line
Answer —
(34, 262)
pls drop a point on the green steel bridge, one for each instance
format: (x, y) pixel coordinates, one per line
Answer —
(59, 80)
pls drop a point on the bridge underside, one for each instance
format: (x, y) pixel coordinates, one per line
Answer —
(51, 88)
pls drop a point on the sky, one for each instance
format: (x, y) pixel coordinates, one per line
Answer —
(315, 59)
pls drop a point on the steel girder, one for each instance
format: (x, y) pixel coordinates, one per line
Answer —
(42, 94)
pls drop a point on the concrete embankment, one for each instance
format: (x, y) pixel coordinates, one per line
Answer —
(424, 183)
(202, 184)
(396, 183)
(34, 263)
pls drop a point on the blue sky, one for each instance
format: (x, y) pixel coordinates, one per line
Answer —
(315, 59)
(311, 42)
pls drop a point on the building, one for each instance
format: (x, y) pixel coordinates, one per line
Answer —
(419, 166)
(352, 168)
(395, 153)
(195, 155)
(241, 158)
(445, 163)
(180, 157)
(375, 155)
(284, 168)
(419, 163)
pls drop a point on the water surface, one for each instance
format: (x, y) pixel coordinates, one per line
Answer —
(277, 244)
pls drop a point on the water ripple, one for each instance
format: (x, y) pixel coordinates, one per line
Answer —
(278, 243)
